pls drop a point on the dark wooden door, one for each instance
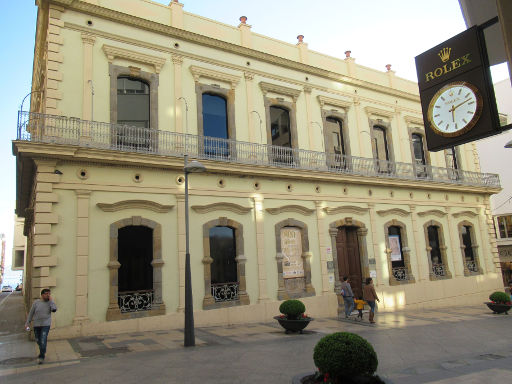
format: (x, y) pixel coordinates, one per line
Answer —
(349, 262)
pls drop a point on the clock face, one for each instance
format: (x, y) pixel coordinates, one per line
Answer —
(455, 109)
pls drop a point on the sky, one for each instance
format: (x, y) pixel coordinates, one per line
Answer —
(377, 32)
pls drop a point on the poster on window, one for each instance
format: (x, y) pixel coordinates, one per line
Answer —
(291, 248)
(394, 245)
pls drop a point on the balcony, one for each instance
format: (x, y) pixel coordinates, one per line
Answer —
(52, 129)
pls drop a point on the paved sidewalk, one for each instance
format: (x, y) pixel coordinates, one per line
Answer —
(457, 345)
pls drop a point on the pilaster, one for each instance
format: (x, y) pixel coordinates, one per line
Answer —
(379, 261)
(422, 266)
(311, 134)
(322, 238)
(177, 61)
(490, 252)
(249, 90)
(303, 50)
(54, 60)
(43, 221)
(245, 33)
(180, 205)
(88, 86)
(176, 14)
(458, 267)
(260, 248)
(82, 257)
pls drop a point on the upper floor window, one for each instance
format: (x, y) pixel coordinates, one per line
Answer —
(419, 152)
(505, 226)
(215, 119)
(215, 125)
(133, 102)
(334, 128)
(280, 127)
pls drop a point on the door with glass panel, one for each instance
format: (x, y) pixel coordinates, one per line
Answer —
(335, 148)
(420, 163)
(380, 150)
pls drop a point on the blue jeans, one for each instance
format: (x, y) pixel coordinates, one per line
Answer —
(41, 335)
(372, 305)
(349, 304)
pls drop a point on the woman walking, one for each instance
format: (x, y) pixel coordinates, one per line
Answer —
(369, 295)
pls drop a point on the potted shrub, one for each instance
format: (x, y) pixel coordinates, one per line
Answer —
(344, 357)
(499, 302)
(293, 318)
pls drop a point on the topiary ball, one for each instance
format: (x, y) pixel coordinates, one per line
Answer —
(499, 297)
(292, 308)
(345, 354)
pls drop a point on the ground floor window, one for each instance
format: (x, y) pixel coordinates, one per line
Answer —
(224, 278)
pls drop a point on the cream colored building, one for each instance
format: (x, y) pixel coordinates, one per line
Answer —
(317, 168)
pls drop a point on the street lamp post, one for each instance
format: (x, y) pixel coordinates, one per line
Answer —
(190, 340)
(261, 132)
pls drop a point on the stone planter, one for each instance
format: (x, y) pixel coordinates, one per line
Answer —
(498, 307)
(295, 325)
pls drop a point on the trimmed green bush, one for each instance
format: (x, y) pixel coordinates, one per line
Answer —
(292, 308)
(499, 297)
(345, 355)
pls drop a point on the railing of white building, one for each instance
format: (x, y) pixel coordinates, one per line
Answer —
(44, 128)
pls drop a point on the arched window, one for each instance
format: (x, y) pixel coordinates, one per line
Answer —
(281, 135)
(436, 250)
(132, 102)
(452, 163)
(399, 254)
(380, 149)
(419, 155)
(335, 148)
(133, 111)
(469, 249)
(223, 253)
(215, 125)
(224, 264)
(135, 266)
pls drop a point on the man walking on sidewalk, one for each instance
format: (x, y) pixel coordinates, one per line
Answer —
(41, 314)
(348, 296)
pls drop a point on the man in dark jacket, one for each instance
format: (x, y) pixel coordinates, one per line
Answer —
(41, 314)
(348, 296)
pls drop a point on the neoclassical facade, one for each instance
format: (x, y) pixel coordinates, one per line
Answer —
(317, 168)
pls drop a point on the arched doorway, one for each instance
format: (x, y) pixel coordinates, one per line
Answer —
(135, 269)
(350, 254)
(349, 260)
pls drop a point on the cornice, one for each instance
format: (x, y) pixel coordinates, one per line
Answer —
(372, 111)
(122, 53)
(393, 211)
(413, 120)
(346, 209)
(106, 156)
(279, 89)
(465, 213)
(334, 102)
(291, 208)
(167, 30)
(333, 76)
(134, 204)
(432, 212)
(198, 72)
(221, 207)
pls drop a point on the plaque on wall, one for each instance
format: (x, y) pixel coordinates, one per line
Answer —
(291, 248)
(394, 245)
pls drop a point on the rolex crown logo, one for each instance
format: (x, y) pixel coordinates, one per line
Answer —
(444, 54)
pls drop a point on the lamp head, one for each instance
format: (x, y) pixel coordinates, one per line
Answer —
(194, 167)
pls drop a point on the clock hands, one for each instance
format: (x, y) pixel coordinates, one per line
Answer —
(454, 107)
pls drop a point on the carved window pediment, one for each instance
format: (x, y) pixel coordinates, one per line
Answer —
(116, 52)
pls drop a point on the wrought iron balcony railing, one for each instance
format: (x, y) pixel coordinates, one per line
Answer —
(225, 291)
(43, 128)
(400, 273)
(135, 301)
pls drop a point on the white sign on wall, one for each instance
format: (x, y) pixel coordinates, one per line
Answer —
(291, 248)
(394, 245)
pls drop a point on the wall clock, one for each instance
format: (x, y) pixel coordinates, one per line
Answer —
(455, 109)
